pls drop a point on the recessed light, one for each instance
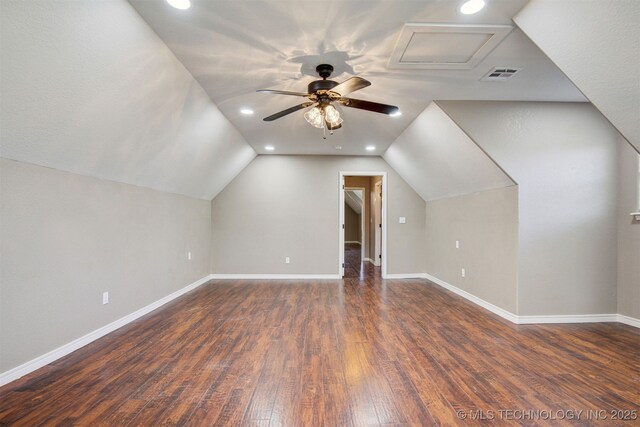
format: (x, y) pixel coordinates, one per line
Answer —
(269, 147)
(246, 111)
(370, 147)
(180, 4)
(396, 114)
(471, 7)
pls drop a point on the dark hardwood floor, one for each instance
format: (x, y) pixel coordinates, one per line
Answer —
(334, 353)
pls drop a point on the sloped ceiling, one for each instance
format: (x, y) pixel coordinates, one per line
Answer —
(88, 87)
(439, 160)
(596, 44)
(354, 200)
(234, 48)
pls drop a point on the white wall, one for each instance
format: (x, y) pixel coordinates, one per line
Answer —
(439, 160)
(628, 233)
(256, 222)
(89, 88)
(564, 157)
(66, 238)
(596, 43)
(486, 226)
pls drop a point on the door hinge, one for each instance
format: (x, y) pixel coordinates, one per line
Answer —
(343, 265)
(380, 225)
(343, 226)
(380, 256)
(343, 186)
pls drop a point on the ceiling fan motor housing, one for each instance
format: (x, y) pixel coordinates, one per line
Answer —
(324, 70)
(321, 85)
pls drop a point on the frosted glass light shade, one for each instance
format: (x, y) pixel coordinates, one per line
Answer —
(315, 117)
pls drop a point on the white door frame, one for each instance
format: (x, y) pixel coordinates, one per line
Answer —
(341, 217)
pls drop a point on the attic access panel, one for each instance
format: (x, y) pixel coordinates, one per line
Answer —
(423, 46)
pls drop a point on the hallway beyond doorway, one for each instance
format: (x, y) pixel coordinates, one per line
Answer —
(372, 207)
(355, 267)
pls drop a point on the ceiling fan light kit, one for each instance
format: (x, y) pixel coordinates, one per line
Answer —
(322, 94)
(315, 117)
(332, 116)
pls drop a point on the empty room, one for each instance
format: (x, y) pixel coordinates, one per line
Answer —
(319, 213)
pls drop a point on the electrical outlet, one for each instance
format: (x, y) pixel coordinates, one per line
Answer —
(463, 273)
(105, 298)
(402, 220)
(457, 244)
(189, 255)
(287, 260)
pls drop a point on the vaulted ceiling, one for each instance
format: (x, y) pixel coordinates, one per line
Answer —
(87, 87)
(597, 44)
(234, 48)
(438, 159)
(142, 93)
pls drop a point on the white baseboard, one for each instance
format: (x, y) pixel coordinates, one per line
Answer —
(631, 321)
(405, 276)
(53, 355)
(275, 276)
(569, 318)
(474, 299)
(530, 320)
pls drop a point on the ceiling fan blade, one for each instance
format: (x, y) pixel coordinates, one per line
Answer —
(369, 106)
(287, 111)
(283, 92)
(351, 85)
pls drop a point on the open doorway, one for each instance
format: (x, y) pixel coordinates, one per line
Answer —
(362, 225)
(354, 230)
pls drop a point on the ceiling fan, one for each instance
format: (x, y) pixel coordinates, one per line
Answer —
(321, 94)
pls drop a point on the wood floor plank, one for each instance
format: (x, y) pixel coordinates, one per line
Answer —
(351, 352)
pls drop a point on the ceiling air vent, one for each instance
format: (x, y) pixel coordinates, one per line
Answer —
(500, 74)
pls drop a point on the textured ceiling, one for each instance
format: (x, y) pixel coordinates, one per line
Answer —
(87, 87)
(234, 48)
(439, 160)
(597, 44)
